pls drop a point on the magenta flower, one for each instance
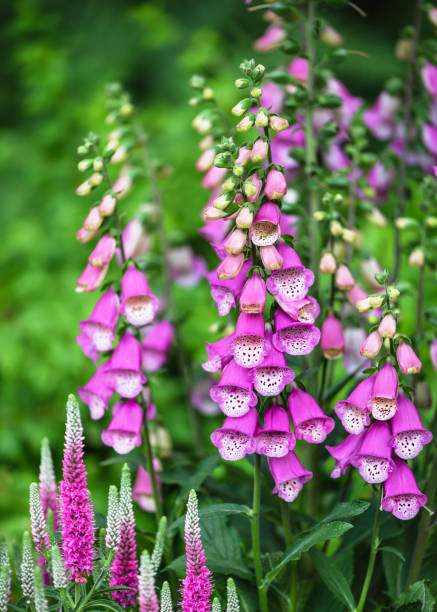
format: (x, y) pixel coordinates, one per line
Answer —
(215, 231)
(234, 392)
(103, 252)
(381, 118)
(272, 96)
(253, 295)
(429, 137)
(353, 412)
(332, 338)
(271, 258)
(142, 492)
(371, 345)
(218, 354)
(373, 460)
(299, 69)
(201, 398)
(310, 422)
(124, 569)
(344, 452)
(433, 353)
(124, 430)
(292, 281)
(402, 495)
(289, 476)
(408, 361)
(135, 241)
(275, 186)
(230, 266)
(272, 38)
(235, 242)
(88, 348)
(265, 229)
(293, 337)
(429, 78)
(137, 303)
(99, 328)
(96, 393)
(275, 439)
(91, 278)
(380, 179)
(305, 310)
(76, 509)
(124, 373)
(157, 339)
(213, 177)
(250, 344)
(186, 269)
(335, 159)
(225, 292)
(382, 400)
(409, 435)
(197, 585)
(272, 375)
(235, 438)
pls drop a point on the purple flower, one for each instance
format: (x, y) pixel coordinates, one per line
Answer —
(96, 392)
(289, 476)
(250, 344)
(156, 343)
(373, 460)
(186, 269)
(382, 400)
(138, 305)
(381, 118)
(292, 281)
(293, 337)
(402, 496)
(218, 354)
(103, 252)
(353, 412)
(124, 431)
(234, 392)
(409, 435)
(235, 438)
(305, 310)
(124, 373)
(429, 78)
(275, 439)
(408, 361)
(344, 452)
(265, 229)
(225, 292)
(201, 399)
(332, 338)
(275, 186)
(253, 295)
(271, 376)
(91, 278)
(310, 422)
(99, 328)
(76, 509)
(142, 492)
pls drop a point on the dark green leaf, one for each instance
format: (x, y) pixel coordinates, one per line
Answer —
(346, 510)
(417, 592)
(332, 577)
(216, 509)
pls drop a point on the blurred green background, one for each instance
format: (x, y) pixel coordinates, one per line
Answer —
(57, 57)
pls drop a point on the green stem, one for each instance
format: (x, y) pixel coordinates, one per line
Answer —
(288, 542)
(262, 593)
(151, 469)
(374, 545)
(118, 222)
(419, 303)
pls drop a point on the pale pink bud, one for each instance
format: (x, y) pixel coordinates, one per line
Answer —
(243, 156)
(252, 187)
(206, 143)
(271, 257)
(387, 327)
(84, 188)
(107, 205)
(417, 258)
(230, 266)
(278, 124)
(235, 242)
(206, 160)
(259, 150)
(103, 252)
(93, 220)
(408, 361)
(369, 268)
(210, 213)
(327, 263)
(332, 338)
(84, 235)
(244, 218)
(330, 36)
(432, 14)
(371, 345)
(276, 185)
(344, 278)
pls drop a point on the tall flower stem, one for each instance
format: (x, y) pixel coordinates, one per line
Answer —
(419, 302)
(288, 542)
(151, 469)
(408, 100)
(117, 217)
(374, 545)
(262, 593)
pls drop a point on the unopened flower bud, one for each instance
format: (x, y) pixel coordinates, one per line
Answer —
(363, 305)
(98, 164)
(242, 83)
(404, 49)
(319, 215)
(206, 160)
(235, 242)
(95, 179)
(245, 124)
(82, 150)
(240, 108)
(84, 189)
(211, 213)
(229, 329)
(260, 150)
(229, 184)
(336, 228)
(194, 101)
(327, 263)
(202, 124)
(330, 36)
(84, 165)
(206, 143)
(417, 258)
(244, 218)
(208, 93)
(278, 124)
(256, 92)
(371, 345)
(377, 218)
(126, 110)
(197, 81)
(387, 327)
(344, 279)
(223, 201)
(393, 293)
(431, 221)
(349, 235)
(376, 301)
(262, 118)
(432, 14)
(271, 258)
(110, 148)
(405, 223)
(213, 328)
(258, 72)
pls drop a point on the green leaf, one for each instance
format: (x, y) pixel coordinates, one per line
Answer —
(346, 510)
(417, 592)
(332, 577)
(103, 604)
(394, 551)
(316, 535)
(216, 509)
(281, 77)
(204, 469)
(226, 567)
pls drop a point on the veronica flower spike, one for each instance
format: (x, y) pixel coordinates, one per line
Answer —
(138, 305)
(250, 344)
(310, 422)
(275, 439)
(235, 438)
(293, 337)
(234, 392)
(409, 435)
(373, 460)
(353, 412)
(291, 282)
(289, 476)
(99, 328)
(402, 495)
(344, 452)
(124, 373)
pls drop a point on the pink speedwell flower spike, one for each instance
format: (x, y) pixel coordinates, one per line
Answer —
(197, 587)
(124, 570)
(76, 506)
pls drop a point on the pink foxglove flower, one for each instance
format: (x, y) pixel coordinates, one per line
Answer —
(275, 439)
(272, 375)
(235, 438)
(96, 393)
(124, 373)
(47, 483)
(271, 258)
(382, 401)
(197, 585)
(76, 509)
(353, 412)
(380, 179)
(273, 97)
(124, 430)
(156, 344)
(206, 160)
(305, 310)
(252, 187)
(371, 345)
(91, 278)
(215, 231)
(299, 69)
(250, 344)
(265, 229)
(99, 328)
(218, 354)
(235, 242)
(147, 597)
(213, 177)
(327, 264)
(344, 452)
(292, 281)
(138, 305)
(225, 293)
(373, 460)
(186, 269)
(310, 422)
(433, 353)
(103, 252)
(353, 339)
(332, 338)
(135, 241)
(409, 435)
(124, 569)
(201, 398)
(381, 118)
(259, 151)
(429, 137)
(271, 39)
(402, 495)
(88, 348)
(289, 476)
(356, 295)
(429, 78)
(387, 327)
(275, 186)
(234, 392)
(344, 279)
(230, 266)
(253, 295)
(142, 492)
(408, 361)
(107, 205)
(369, 268)
(293, 337)
(93, 220)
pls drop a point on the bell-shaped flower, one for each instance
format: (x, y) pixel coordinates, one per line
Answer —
(353, 411)
(91, 278)
(138, 305)
(293, 337)
(305, 310)
(408, 361)
(271, 376)
(271, 258)
(142, 492)
(103, 252)
(276, 185)
(332, 338)
(225, 292)
(253, 295)
(234, 392)
(201, 399)
(185, 268)
(250, 344)
(371, 345)
(344, 452)
(99, 328)
(402, 495)
(214, 177)
(218, 354)
(310, 422)
(272, 38)
(373, 460)
(88, 348)
(124, 373)
(344, 279)
(96, 393)
(235, 242)
(230, 266)
(289, 476)
(124, 430)
(235, 438)
(156, 343)
(409, 435)
(429, 78)
(275, 439)
(381, 117)
(292, 281)
(135, 241)
(265, 229)
(382, 401)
